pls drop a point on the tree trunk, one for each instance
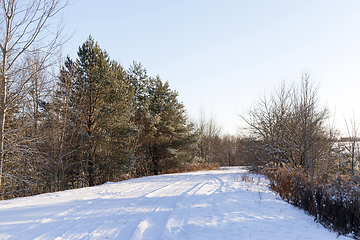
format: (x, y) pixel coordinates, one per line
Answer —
(2, 115)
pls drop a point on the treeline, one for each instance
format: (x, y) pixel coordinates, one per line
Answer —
(95, 121)
(88, 121)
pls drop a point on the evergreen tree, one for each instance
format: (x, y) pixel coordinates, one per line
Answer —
(100, 104)
(165, 137)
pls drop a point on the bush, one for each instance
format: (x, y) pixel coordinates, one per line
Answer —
(333, 200)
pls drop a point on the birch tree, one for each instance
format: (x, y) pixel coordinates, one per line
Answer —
(24, 29)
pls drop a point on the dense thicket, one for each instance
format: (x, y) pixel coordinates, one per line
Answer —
(332, 199)
(27, 43)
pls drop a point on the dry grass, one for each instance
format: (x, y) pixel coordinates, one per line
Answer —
(195, 167)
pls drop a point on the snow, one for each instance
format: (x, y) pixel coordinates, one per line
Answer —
(195, 205)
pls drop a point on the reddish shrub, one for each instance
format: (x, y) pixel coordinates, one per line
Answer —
(334, 201)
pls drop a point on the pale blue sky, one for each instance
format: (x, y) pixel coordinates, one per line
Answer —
(222, 54)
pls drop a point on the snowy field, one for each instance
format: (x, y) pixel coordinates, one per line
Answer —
(196, 205)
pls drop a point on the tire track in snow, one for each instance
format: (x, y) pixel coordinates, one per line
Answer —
(180, 215)
(130, 227)
(153, 226)
(147, 204)
(78, 217)
(149, 200)
(177, 205)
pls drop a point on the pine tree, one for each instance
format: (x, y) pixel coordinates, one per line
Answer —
(101, 104)
(165, 136)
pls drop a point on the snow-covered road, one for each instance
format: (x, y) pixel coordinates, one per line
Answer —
(196, 205)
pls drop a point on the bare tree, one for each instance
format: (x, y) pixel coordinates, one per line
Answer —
(24, 30)
(351, 145)
(288, 126)
(208, 130)
(271, 127)
(311, 121)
